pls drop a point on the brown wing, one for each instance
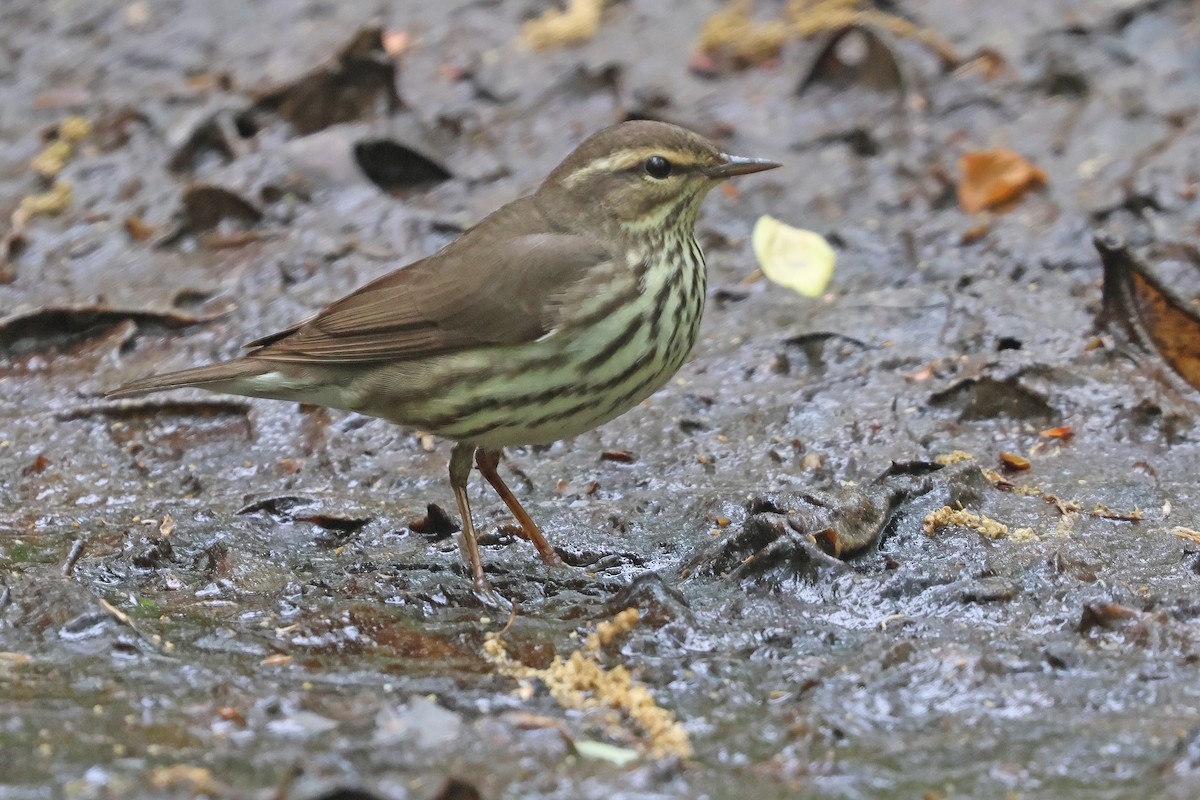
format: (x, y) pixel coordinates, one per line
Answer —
(497, 284)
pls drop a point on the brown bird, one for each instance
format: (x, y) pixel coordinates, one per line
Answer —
(555, 314)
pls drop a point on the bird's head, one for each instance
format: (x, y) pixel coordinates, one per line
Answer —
(637, 175)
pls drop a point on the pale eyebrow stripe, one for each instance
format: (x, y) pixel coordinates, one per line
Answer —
(630, 158)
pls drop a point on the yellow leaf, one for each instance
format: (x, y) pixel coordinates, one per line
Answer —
(798, 259)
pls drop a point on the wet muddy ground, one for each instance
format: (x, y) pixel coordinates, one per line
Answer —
(209, 596)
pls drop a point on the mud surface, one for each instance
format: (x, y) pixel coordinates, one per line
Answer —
(295, 631)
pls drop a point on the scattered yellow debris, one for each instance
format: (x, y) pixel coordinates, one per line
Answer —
(578, 23)
(792, 257)
(581, 682)
(732, 33)
(197, 780)
(954, 458)
(946, 517)
(55, 201)
(55, 156)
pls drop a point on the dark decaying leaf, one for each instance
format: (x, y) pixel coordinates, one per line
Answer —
(281, 507)
(54, 327)
(214, 135)
(157, 408)
(205, 205)
(346, 793)
(353, 86)
(436, 524)
(338, 525)
(857, 55)
(393, 167)
(1153, 316)
(457, 789)
(987, 397)
(799, 535)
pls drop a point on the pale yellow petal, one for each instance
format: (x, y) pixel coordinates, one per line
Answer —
(798, 259)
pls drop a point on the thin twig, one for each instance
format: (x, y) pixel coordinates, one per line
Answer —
(73, 555)
(126, 620)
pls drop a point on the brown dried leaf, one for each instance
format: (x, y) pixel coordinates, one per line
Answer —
(137, 229)
(205, 205)
(50, 326)
(351, 87)
(436, 524)
(37, 466)
(457, 789)
(856, 56)
(992, 178)
(394, 167)
(1148, 311)
(1014, 462)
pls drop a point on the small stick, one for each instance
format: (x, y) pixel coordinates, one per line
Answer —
(73, 555)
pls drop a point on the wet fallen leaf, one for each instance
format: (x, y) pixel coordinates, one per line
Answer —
(137, 229)
(1152, 314)
(733, 37)
(457, 789)
(619, 456)
(393, 167)
(276, 660)
(1014, 462)
(214, 134)
(205, 205)
(791, 257)
(1063, 432)
(51, 326)
(1107, 615)
(577, 23)
(37, 466)
(359, 81)
(436, 524)
(975, 233)
(988, 64)
(155, 407)
(856, 56)
(992, 178)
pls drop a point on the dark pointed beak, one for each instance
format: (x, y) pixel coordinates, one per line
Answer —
(732, 166)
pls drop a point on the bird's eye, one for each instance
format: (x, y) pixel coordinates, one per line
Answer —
(657, 167)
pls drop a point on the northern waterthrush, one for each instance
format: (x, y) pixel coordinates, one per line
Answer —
(556, 313)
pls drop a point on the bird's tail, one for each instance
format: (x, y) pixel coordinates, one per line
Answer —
(223, 377)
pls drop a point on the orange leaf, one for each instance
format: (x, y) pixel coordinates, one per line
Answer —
(1064, 432)
(994, 177)
(1014, 462)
